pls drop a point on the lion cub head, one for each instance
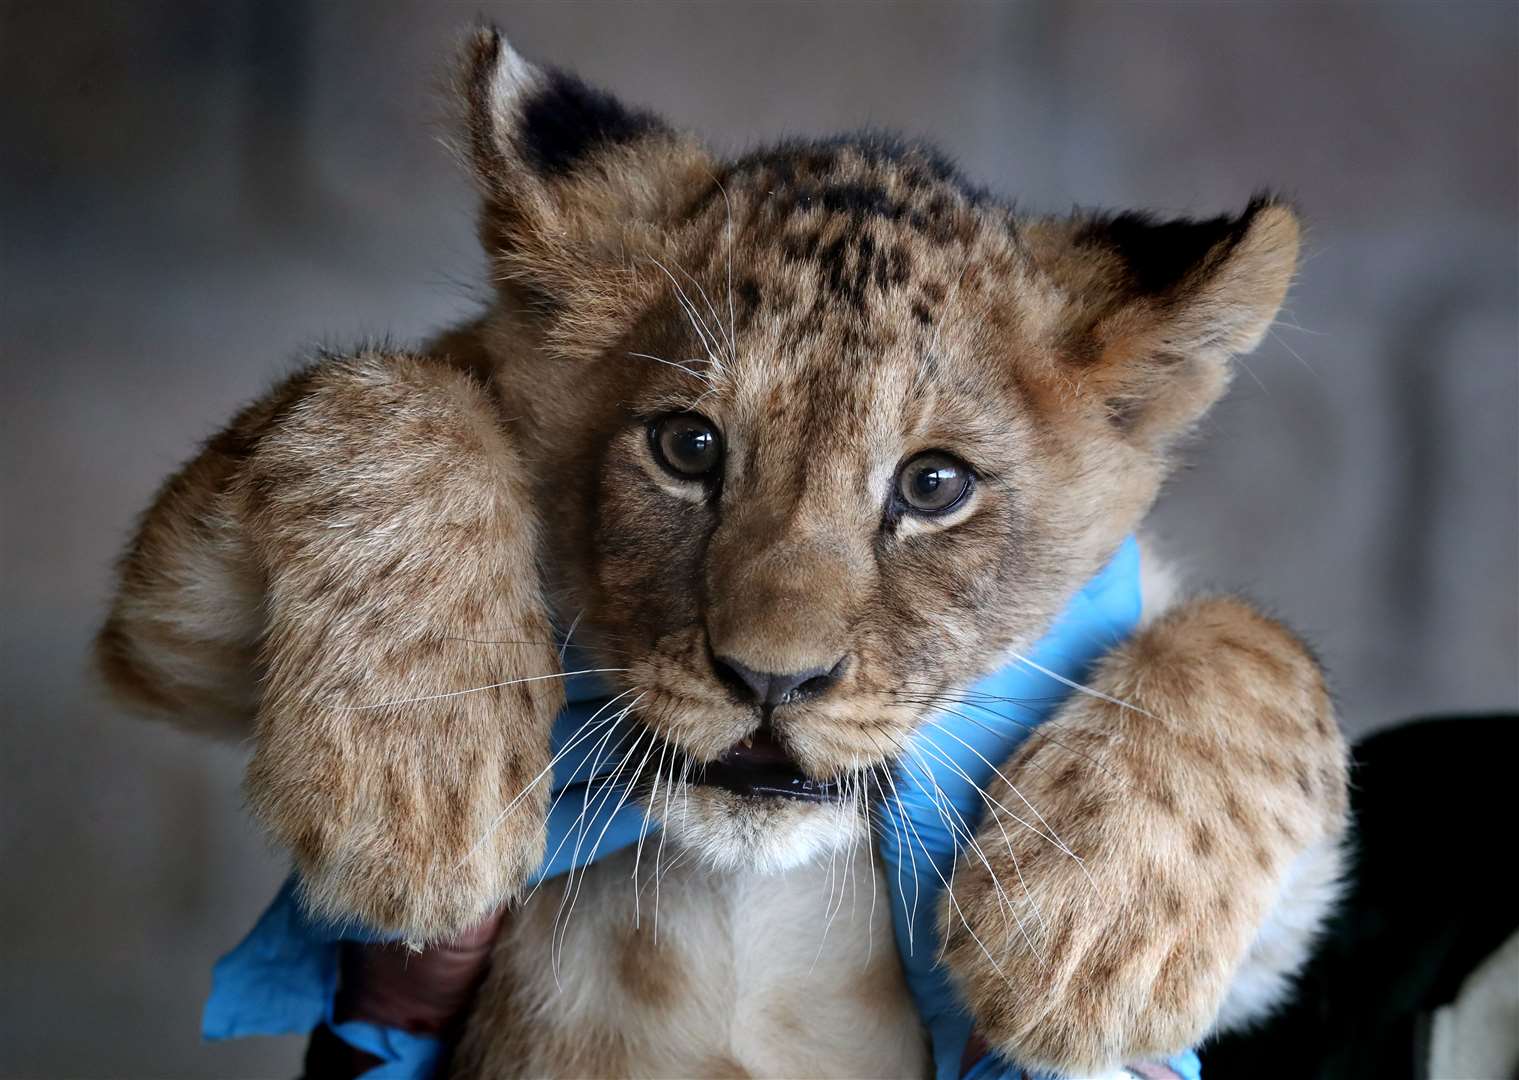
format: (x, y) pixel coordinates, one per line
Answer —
(823, 432)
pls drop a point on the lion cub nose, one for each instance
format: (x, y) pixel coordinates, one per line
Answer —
(769, 688)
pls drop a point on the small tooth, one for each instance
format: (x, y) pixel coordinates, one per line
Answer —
(749, 742)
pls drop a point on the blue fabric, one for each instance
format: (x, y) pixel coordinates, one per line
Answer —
(282, 977)
(1187, 1065)
(938, 782)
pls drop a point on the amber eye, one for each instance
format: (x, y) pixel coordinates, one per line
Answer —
(933, 483)
(686, 444)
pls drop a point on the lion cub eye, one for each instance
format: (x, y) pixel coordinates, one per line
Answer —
(686, 444)
(933, 483)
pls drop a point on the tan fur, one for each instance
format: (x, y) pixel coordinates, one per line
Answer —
(370, 500)
(369, 563)
(1186, 809)
(729, 974)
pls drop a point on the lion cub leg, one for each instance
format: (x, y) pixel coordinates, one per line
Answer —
(409, 676)
(1203, 821)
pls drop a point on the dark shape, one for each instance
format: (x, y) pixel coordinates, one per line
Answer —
(805, 162)
(1159, 253)
(1427, 799)
(860, 200)
(567, 119)
(769, 689)
(762, 767)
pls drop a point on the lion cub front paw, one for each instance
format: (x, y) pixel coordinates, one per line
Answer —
(1109, 927)
(416, 819)
(1088, 989)
(1078, 967)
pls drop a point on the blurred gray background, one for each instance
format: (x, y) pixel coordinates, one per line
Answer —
(191, 194)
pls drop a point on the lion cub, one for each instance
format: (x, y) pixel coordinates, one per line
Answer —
(800, 443)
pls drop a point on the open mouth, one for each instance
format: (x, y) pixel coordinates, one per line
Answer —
(760, 767)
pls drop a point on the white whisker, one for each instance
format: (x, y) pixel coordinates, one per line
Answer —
(1294, 353)
(1054, 836)
(711, 308)
(728, 236)
(907, 823)
(1082, 688)
(664, 831)
(883, 806)
(567, 910)
(709, 341)
(474, 689)
(577, 830)
(702, 375)
(643, 831)
(581, 733)
(948, 891)
(864, 797)
(600, 751)
(568, 634)
(965, 839)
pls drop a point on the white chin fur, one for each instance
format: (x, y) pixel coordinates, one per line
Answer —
(736, 833)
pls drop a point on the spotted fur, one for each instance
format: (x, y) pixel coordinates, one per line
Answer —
(388, 533)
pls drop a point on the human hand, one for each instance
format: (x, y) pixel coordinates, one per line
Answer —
(388, 986)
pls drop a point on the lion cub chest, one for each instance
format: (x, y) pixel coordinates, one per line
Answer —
(699, 973)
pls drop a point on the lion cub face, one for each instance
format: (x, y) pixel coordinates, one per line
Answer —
(823, 433)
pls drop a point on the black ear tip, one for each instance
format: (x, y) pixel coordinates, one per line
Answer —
(565, 120)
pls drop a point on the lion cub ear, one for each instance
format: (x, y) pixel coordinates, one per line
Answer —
(1155, 309)
(569, 176)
